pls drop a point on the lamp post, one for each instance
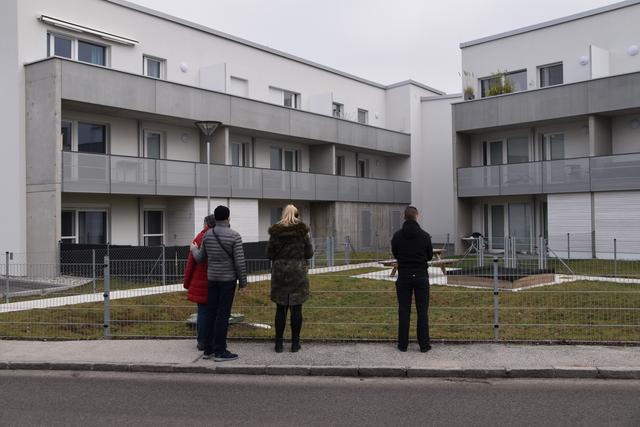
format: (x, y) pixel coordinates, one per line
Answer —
(208, 128)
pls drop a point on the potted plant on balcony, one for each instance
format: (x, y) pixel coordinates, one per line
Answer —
(468, 81)
(499, 84)
(468, 93)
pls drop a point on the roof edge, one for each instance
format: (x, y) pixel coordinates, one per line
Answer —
(415, 83)
(551, 23)
(440, 97)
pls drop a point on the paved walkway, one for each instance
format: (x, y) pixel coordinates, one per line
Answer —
(339, 359)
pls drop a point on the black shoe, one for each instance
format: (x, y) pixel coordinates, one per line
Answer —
(200, 346)
(208, 356)
(226, 356)
(295, 347)
(279, 347)
(425, 348)
(402, 349)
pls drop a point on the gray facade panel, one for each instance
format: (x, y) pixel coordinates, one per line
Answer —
(614, 93)
(191, 103)
(347, 189)
(367, 190)
(131, 175)
(402, 192)
(85, 173)
(521, 178)
(565, 176)
(220, 180)
(326, 187)
(246, 183)
(102, 86)
(384, 190)
(175, 178)
(621, 172)
(276, 184)
(256, 115)
(311, 126)
(479, 181)
(303, 186)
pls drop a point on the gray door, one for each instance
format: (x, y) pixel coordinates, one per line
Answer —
(497, 227)
(519, 225)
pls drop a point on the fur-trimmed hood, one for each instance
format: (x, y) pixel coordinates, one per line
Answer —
(300, 229)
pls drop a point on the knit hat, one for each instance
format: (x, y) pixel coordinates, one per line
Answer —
(221, 213)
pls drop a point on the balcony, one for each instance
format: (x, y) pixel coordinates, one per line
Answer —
(585, 174)
(596, 96)
(106, 174)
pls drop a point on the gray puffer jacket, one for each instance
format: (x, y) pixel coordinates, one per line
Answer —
(221, 267)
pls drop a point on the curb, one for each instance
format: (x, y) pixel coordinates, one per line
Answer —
(562, 372)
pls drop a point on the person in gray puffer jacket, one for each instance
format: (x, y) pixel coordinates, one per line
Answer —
(289, 248)
(222, 248)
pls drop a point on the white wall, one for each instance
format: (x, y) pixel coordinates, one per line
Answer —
(614, 31)
(243, 216)
(625, 139)
(433, 170)
(12, 155)
(183, 45)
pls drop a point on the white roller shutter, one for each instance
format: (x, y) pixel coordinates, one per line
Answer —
(570, 213)
(617, 215)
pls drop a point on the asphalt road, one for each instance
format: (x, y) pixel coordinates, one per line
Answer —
(87, 399)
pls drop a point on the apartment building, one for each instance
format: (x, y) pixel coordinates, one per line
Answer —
(99, 103)
(547, 140)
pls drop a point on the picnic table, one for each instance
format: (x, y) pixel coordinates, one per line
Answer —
(437, 261)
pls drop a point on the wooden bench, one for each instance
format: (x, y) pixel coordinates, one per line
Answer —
(437, 262)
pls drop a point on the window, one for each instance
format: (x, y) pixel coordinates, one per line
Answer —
(153, 228)
(553, 146)
(487, 84)
(518, 79)
(92, 138)
(239, 87)
(276, 215)
(497, 84)
(284, 159)
(153, 67)
(152, 144)
(338, 110)
(276, 158)
(67, 135)
(67, 47)
(340, 165)
(239, 154)
(518, 149)
(68, 226)
(363, 116)
(363, 168)
(551, 75)
(291, 99)
(290, 160)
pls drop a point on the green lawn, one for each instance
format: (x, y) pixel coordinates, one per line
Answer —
(343, 307)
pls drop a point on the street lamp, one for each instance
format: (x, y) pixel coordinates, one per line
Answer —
(208, 128)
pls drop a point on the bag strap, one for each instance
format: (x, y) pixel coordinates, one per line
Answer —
(229, 254)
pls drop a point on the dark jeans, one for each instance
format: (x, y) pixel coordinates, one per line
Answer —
(215, 322)
(202, 308)
(405, 288)
(281, 321)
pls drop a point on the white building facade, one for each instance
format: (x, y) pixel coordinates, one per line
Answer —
(100, 100)
(550, 146)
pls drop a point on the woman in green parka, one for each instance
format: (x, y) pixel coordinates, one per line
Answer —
(289, 248)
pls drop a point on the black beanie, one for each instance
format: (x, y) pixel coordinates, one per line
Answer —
(221, 213)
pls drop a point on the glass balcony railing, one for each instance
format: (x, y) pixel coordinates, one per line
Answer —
(99, 173)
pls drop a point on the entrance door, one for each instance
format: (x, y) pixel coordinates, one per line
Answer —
(519, 226)
(497, 227)
(496, 153)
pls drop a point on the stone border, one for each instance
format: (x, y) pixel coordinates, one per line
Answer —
(630, 373)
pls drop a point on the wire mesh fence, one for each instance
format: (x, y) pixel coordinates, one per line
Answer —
(520, 292)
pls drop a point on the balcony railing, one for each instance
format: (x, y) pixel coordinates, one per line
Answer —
(584, 174)
(107, 174)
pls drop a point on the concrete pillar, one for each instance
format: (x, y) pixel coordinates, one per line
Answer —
(322, 159)
(599, 136)
(43, 143)
(461, 207)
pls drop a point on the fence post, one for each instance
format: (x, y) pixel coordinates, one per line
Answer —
(615, 257)
(347, 249)
(496, 302)
(164, 275)
(107, 307)
(6, 276)
(568, 246)
(93, 269)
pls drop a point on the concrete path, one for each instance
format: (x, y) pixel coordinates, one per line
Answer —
(339, 359)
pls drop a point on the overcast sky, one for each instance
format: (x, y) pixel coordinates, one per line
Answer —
(382, 40)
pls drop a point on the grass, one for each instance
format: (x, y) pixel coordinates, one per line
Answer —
(343, 307)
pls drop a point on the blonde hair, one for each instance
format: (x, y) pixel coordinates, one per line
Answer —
(290, 216)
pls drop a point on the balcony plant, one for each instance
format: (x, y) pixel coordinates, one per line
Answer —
(500, 84)
(468, 93)
(468, 80)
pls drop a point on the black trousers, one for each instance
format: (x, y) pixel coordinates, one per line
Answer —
(216, 316)
(405, 289)
(281, 321)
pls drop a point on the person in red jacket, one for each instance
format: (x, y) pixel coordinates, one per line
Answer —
(195, 279)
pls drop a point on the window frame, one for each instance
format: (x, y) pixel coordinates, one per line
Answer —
(163, 220)
(337, 107)
(244, 154)
(76, 222)
(75, 124)
(162, 66)
(145, 149)
(546, 67)
(295, 97)
(51, 36)
(366, 116)
(503, 78)
(546, 146)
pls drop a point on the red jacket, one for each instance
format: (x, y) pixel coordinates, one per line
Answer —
(195, 275)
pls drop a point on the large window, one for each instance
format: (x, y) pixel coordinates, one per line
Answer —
(363, 116)
(276, 158)
(553, 146)
(240, 154)
(551, 75)
(338, 110)
(518, 149)
(153, 147)
(71, 48)
(284, 159)
(84, 226)
(153, 228)
(518, 80)
(153, 67)
(291, 99)
(502, 83)
(92, 138)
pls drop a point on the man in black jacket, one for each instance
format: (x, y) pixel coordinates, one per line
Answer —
(411, 246)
